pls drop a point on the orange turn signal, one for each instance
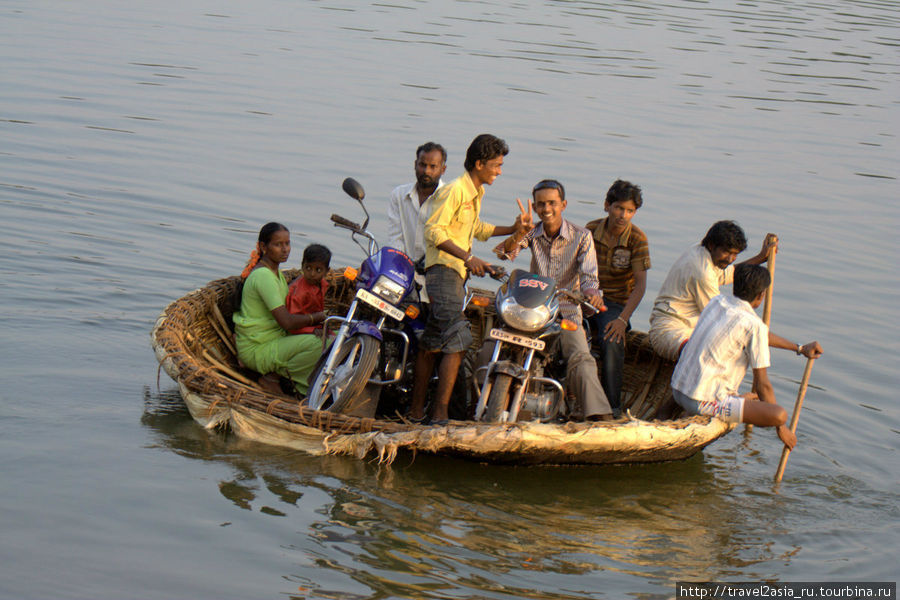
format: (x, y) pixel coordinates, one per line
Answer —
(568, 325)
(350, 273)
(480, 301)
(412, 311)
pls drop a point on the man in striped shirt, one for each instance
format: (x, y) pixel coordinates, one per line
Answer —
(565, 251)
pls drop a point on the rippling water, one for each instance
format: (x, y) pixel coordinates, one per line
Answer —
(142, 146)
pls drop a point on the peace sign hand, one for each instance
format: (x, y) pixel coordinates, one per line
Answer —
(525, 220)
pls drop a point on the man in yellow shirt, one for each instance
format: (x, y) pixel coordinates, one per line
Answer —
(452, 224)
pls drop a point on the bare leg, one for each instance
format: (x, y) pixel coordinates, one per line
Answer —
(424, 367)
(447, 372)
(764, 414)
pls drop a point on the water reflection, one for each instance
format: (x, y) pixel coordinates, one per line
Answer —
(557, 532)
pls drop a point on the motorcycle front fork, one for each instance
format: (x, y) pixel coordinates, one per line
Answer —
(512, 411)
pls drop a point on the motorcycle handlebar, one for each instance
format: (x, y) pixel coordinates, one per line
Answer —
(498, 273)
(579, 298)
(342, 222)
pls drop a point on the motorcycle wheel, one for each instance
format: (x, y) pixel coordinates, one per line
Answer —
(354, 365)
(498, 399)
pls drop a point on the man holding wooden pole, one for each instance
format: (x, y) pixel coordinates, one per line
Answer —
(730, 337)
(695, 278)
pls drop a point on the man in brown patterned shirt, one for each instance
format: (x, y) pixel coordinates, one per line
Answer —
(623, 258)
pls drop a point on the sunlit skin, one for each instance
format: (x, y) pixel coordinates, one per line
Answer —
(273, 254)
(722, 257)
(313, 272)
(429, 167)
(485, 172)
(620, 214)
(549, 208)
(277, 250)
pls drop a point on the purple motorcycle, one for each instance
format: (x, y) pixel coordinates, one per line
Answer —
(384, 282)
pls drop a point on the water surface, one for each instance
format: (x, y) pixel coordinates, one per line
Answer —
(142, 146)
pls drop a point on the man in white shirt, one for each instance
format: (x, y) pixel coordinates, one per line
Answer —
(729, 338)
(694, 279)
(407, 212)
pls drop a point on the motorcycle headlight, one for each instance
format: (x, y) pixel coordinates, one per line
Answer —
(524, 319)
(389, 290)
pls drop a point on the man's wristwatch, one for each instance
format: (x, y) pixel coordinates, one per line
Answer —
(799, 350)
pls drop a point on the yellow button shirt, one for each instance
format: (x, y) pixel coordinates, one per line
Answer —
(454, 215)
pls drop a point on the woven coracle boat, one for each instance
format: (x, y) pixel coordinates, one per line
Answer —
(193, 342)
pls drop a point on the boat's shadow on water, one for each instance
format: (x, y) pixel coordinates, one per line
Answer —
(485, 527)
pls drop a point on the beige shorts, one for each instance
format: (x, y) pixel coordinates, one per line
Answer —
(668, 335)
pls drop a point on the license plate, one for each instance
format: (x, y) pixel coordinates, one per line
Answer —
(385, 307)
(512, 338)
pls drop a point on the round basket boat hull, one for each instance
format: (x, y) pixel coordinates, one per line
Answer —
(191, 343)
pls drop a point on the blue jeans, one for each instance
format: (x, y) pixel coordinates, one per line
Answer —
(612, 354)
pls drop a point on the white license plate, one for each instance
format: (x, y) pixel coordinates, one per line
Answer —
(373, 300)
(512, 338)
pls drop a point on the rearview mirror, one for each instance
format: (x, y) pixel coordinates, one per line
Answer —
(354, 189)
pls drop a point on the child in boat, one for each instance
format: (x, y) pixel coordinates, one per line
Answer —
(623, 258)
(262, 323)
(306, 295)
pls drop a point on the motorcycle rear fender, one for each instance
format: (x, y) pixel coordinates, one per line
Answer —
(365, 328)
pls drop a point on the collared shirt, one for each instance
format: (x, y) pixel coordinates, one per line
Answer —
(692, 281)
(616, 264)
(406, 220)
(729, 338)
(304, 298)
(454, 215)
(569, 258)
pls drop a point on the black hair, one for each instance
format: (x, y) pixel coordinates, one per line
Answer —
(316, 253)
(268, 230)
(265, 236)
(431, 147)
(549, 184)
(727, 235)
(484, 148)
(750, 281)
(622, 191)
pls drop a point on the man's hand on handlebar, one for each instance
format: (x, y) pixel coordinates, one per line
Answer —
(478, 267)
(595, 300)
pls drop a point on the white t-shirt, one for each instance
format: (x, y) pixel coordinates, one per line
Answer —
(690, 284)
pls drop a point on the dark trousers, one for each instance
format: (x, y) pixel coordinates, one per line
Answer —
(612, 354)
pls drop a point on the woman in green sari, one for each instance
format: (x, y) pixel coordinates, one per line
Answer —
(262, 323)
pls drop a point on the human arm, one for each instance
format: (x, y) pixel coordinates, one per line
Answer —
(615, 329)
(810, 350)
(509, 248)
(770, 241)
(303, 300)
(395, 227)
(523, 224)
(268, 289)
(290, 322)
(477, 266)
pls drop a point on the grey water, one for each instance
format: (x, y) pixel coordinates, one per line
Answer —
(142, 145)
